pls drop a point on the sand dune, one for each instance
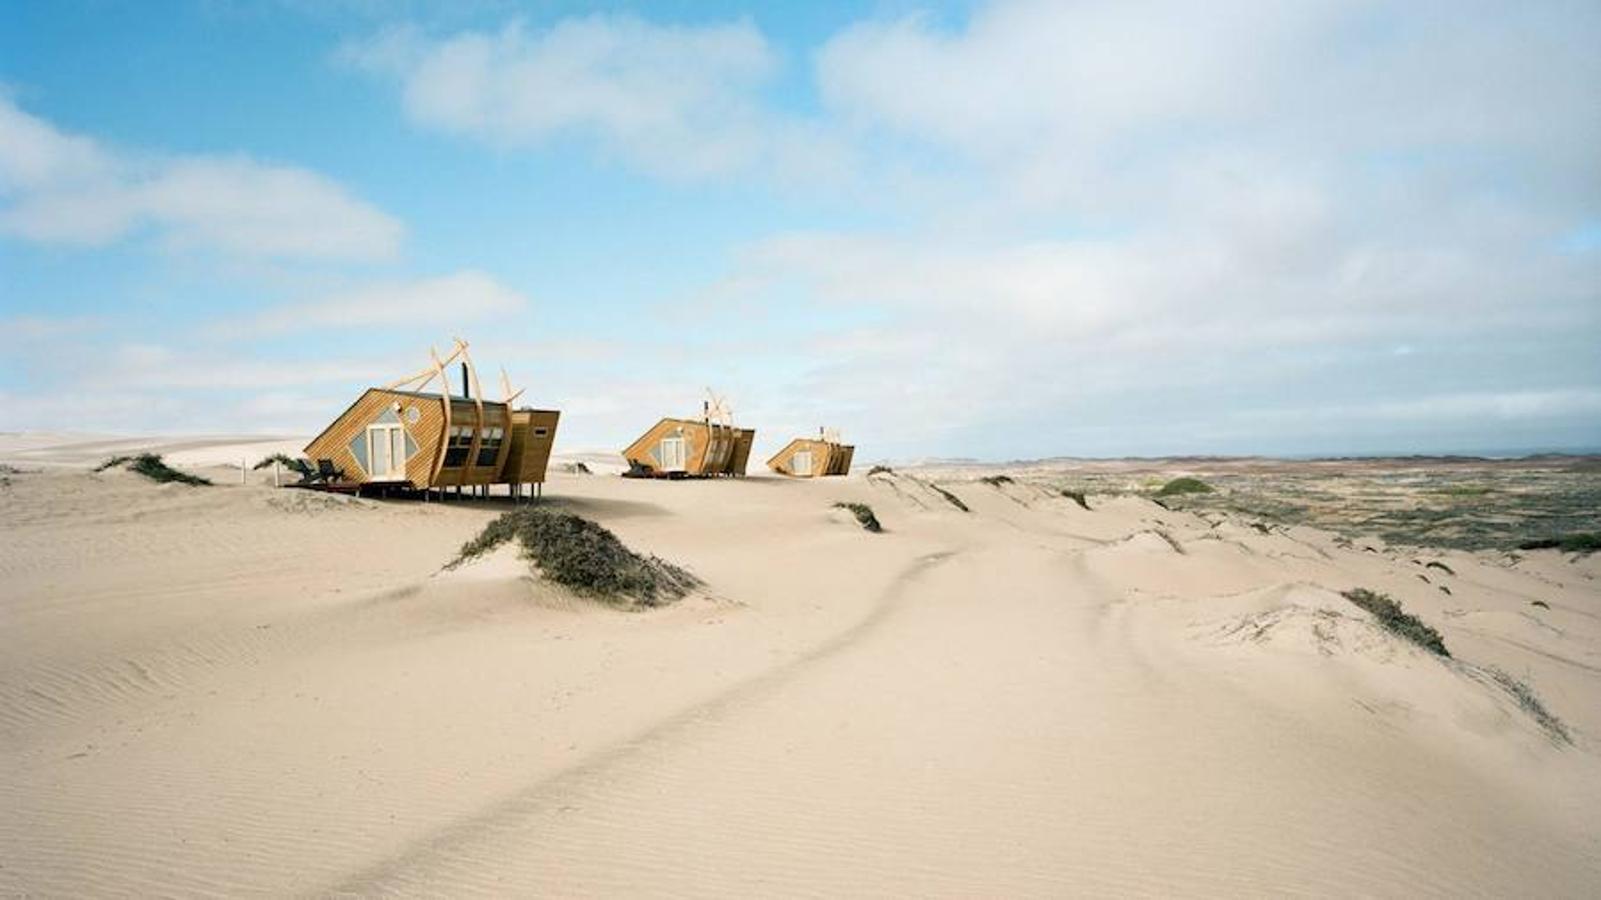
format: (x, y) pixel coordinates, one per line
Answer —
(241, 690)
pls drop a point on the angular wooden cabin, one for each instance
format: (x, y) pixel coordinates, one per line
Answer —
(813, 457)
(692, 448)
(400, 437)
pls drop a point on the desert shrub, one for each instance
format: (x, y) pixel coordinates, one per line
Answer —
(577, 553)
(1540, 603)
(880, 470)
(1578, 542)
(1397, 620)
(1530, 703)
(950, 498)
(301, 467)
(1436, 564)
(1184, 486)
(577, 468)
(864, 515)
(152, 467)
(1261, 528)
(996, 480)
(1077, 497)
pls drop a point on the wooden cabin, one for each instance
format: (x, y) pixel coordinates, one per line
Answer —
(692, 448)
(394, 436)
(813, 458)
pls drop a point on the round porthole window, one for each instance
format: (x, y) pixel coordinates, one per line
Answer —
(413, 415)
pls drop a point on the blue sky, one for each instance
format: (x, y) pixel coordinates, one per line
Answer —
(999, 230)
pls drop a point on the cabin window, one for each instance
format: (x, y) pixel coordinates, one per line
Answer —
(489, 447)
(461, 442)
(541, 432)
(801, 463)
(671, 454)
(386, 452)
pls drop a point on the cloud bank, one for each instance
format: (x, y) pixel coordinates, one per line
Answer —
(63, 188)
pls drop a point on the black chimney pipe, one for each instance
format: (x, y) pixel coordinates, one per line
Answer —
(466, 387)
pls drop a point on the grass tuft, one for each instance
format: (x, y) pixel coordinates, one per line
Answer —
(1530, 703)
(1171, 541)
(1077, 497)
(950, 498)
(864, 515)
(152, 467)
(996, 481)
(301, 467)
(880, 470)
(1184, 486)
(1397, 620)
(584, 556)
(1540, 603)
(1436, 564)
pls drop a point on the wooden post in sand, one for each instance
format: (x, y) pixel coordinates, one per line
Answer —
(242, 470)
(275, 474)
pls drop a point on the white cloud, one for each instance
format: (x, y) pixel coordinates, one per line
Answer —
(61, 188)
(1070, 99)
(461, 297)
(676, 100)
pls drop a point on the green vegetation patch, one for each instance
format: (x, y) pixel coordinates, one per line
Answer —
(301, 467)
(864, 515)
(1184, 486)
(1397, 620)
(152, 467)
(1580, 542)
(996, 481)
(584, 556)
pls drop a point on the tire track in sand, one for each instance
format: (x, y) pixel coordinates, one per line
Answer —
(435, 850)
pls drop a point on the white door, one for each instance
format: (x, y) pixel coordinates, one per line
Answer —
(672, 454)
(386, 453)
(801, 463)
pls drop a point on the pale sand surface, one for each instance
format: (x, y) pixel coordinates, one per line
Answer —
(237, 690)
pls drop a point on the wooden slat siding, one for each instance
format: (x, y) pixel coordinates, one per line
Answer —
(526, 463)
(494, 417)
(465, 413)
(516, 441)
(334, 442)
(698, 440)
(741, 457)
(639, 450)
(780, 461)
(850, 456)
(429, 433)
